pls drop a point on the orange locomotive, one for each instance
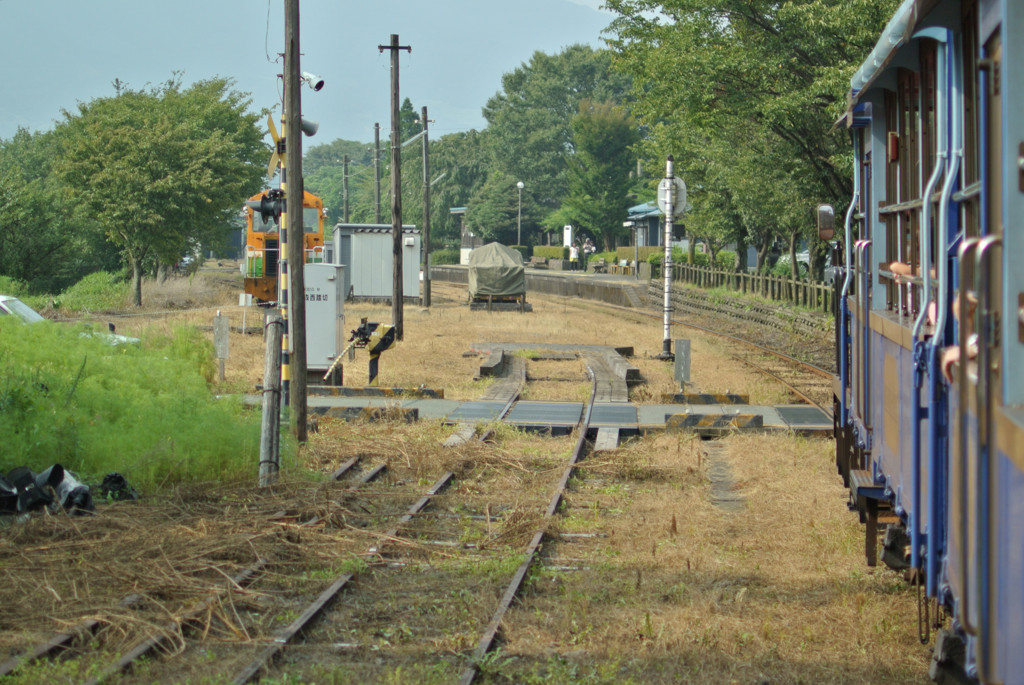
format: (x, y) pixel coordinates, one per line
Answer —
(263, 245)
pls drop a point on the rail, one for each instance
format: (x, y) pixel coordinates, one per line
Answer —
(490, 635)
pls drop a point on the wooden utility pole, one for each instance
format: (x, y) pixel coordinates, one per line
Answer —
(344, 188)
(376, 173)
(398, 290)
(293, 201)
(426, 212)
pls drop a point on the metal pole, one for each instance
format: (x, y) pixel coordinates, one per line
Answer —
(296, 232)
(519, 216)
(666, 345)
(426, 212)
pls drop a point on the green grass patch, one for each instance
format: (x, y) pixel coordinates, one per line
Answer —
(100, 291)
(10, 286)
(146, 410)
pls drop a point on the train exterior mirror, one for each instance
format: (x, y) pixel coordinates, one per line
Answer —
(826, 222)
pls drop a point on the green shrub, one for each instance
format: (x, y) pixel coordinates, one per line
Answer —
(9, 286)
(657, 256)
(644, 253)
(448, 255)
(610, 257)
(523, 250)
(98, 291)
(551, 251)
(726, 259)
(144, 410)
(782, 267)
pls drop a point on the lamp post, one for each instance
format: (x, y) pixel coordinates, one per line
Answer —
(519, 216)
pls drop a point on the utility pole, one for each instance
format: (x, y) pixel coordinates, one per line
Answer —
(398, 291)
(293, 197)
(344, 188)
(376, 173)
(426, 212)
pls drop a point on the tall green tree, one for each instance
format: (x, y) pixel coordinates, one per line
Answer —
(603, 135)
(776, 73)
(43, 242)
(528, 120)
(460, 162)
(493, 211)
(162, 170)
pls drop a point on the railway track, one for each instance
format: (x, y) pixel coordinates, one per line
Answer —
(807, 382)
(436, 566)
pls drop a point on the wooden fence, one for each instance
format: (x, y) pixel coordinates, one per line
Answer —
(806, 293)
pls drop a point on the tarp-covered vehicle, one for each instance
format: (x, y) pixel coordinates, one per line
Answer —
(497, 279)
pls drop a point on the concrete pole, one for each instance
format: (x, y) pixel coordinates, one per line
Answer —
(344, 188)
(376, 173)
(666, 349)
(271, 425)
(426, 211)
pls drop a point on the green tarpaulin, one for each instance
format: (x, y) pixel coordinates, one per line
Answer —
(496, 270)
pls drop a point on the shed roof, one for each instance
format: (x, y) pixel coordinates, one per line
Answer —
(643, 211)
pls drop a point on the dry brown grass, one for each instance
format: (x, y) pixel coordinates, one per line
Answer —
(680, 590)
(671, 588)
(436, 340)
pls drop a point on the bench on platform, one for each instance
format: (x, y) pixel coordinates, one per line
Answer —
(600, 266)
(623, 267)
(537, 262)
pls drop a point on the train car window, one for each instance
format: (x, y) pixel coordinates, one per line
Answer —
(261, 226)
(310, 220)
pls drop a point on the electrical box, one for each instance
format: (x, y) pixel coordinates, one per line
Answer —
(367, 251)
(325, 314)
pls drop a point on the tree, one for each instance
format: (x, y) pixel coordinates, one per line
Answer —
(759, 76)
(493, 211)
(599, 180)
(528, 121)
(163, 169)
(43, 243)
(323, 174)
(461, 160)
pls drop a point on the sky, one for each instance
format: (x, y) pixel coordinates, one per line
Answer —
(62, 52)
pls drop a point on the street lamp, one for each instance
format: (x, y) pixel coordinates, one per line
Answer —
(519, 216)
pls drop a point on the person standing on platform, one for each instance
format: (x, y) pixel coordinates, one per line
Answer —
(574, 256)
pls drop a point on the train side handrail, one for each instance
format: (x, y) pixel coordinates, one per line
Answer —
(864, 296)
(987, 473)
(964, 255)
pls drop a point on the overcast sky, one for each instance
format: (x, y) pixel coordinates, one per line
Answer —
(57, 53)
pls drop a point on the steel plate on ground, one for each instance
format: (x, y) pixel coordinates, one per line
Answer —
(614, 414)
(801, 417)
(545, 414)
(472, 412)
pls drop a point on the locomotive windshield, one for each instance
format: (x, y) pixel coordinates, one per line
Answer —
(310, 222)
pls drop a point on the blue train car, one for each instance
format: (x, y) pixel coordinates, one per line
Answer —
(929, 401)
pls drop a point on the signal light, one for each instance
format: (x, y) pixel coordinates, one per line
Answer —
(269, 206)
